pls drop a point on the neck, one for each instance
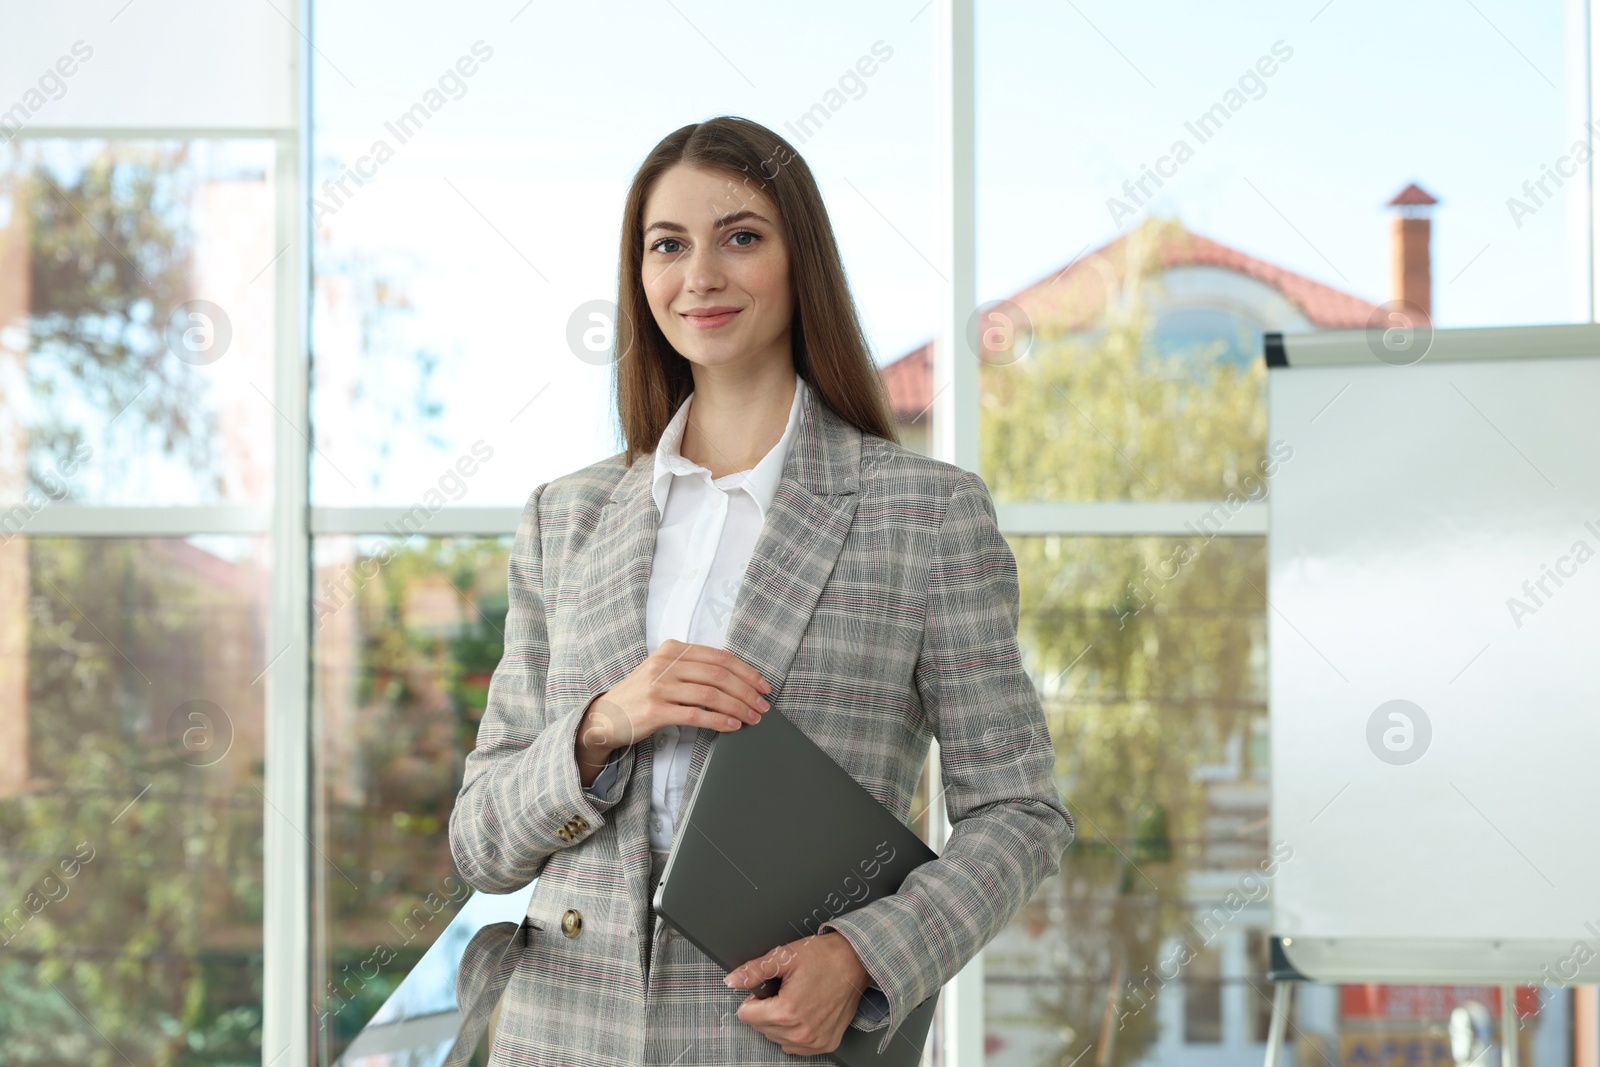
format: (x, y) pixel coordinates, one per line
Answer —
(731, 426)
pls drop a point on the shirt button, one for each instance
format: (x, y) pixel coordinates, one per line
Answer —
(661, 740)
(655, 824)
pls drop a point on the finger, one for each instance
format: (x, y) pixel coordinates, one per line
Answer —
(723, 677)
(739, 679)
(699, 704)
(667, 654)
(752, 1012)
(745, 975)
(778, 963)
(747, 673)
(762, 1015)
(721, 657)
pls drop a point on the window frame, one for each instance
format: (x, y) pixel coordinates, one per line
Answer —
(292, 523)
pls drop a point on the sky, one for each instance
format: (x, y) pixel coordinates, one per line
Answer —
(500, 216)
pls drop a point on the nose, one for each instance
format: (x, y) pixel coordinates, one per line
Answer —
(702, 273)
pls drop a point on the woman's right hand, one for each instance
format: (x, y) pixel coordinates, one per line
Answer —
(679, 684)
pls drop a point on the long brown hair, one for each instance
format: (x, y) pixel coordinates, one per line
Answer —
(830, 350)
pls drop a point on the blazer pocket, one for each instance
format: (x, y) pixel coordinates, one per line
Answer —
(484, 955)
(486, 966)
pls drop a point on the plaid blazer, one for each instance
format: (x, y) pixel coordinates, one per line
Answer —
(881, 603)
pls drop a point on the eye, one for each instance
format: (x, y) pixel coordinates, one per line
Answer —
(746, 233)
(665, 240)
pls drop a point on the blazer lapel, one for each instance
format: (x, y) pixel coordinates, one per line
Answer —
(800, 540)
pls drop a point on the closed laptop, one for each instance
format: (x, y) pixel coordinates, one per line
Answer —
(776, 840)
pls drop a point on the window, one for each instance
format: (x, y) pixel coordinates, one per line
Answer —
(137, 339)
(1129, 451)
(235, 406)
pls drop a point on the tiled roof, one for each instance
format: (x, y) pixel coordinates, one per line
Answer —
(909, 380)
(1072, 298)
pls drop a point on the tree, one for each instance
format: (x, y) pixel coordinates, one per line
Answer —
(153, 949)
(128, 941)
(109, 259)
(1162, 635)
(154, 939)
(401, 687)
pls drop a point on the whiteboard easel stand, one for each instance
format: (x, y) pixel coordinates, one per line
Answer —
(1540, 351)
(1282, 974)
(1508, 1026)
(1281, 1000)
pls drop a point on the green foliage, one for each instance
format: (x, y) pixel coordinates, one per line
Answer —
(155, 954)
(422, 635)
(1146, 647)
(109, 259)
(154, 938)
(1099, 415)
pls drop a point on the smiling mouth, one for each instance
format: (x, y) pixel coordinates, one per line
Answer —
(710, 322)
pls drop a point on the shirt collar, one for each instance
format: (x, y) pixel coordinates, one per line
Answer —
(762, 481)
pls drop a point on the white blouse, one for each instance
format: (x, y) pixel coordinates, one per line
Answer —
(707, 533)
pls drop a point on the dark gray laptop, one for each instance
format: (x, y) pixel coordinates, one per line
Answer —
(777, 839)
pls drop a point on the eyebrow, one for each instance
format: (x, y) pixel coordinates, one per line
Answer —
(725, 220)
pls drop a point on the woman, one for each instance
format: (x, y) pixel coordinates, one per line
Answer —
(762, 546)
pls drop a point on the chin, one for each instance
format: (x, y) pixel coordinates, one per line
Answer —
(711, 355)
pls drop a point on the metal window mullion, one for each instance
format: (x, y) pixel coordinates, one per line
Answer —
(1026, 519)
(286, 982)
(1584, 1000)
(149, 133)
(1113, 518)
(88, 520)
(1579, 33)
(1093, 518)
(954, 435)
(400, 522)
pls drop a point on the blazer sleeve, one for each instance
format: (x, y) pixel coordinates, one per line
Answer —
(521, 798)
(1009, 826)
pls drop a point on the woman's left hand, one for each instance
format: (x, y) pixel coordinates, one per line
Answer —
(822, 982)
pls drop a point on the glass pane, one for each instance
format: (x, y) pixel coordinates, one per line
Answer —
(1234, 185)
(1114, 414)
(1202, 998)
(131, 763)
(1149, 654)
(408, 633)
(407, 636)
(137, 323)
(468, 202)
(1228, 186)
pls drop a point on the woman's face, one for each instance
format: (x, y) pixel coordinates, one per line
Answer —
(715, 270)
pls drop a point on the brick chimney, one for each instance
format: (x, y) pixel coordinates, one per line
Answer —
(1409, 238)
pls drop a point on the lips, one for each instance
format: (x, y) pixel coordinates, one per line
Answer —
(710, 318)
